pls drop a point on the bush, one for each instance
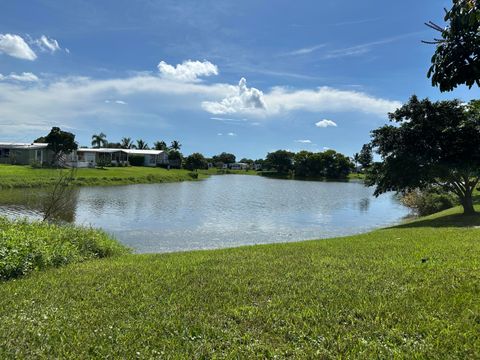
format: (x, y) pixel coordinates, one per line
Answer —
(136, 160)
(428, 202)
(29, 246)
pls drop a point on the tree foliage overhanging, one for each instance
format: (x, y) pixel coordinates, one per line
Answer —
(456, 59)
(433, 143)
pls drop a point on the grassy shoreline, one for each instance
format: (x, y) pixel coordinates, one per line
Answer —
(409, 291)
(16, 176)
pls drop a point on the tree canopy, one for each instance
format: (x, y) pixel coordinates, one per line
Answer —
(456, 59)
(59, 142)
(433, 143)
(328, 164)
(365, 157)
(195, 161)
(281, 161)
(225, 158)
(99, 140)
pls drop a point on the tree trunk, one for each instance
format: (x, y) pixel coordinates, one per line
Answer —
(467, 203)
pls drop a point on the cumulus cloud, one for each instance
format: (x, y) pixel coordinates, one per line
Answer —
(23, 77)
(15, 46)
(243, 101)
(304, 141)
(281, 99)
(325, 123)
(231, 134)
(188, 71)
(77, 99)
(47, 44)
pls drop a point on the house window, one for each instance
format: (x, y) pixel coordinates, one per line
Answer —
(4, 152)
(152, 159)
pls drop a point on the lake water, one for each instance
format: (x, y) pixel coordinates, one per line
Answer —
(222, 211)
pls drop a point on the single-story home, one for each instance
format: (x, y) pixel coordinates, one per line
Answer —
(86, 157)
(24, 153)
(151, 157)
(238, 166)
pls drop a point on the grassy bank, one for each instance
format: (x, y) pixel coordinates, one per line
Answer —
(15, 176)
(29, 246)
(407, 292)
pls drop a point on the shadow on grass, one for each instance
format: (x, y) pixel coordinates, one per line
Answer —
(453, 220)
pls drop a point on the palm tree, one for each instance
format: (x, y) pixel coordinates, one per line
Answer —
(142, 145)
(99, 140)
(175, 145)
(160, 145)
(126, 143)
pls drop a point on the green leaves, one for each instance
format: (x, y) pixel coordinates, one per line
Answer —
(27, 247)
(457, 57)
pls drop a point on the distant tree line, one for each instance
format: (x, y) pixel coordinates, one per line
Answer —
(305, 164)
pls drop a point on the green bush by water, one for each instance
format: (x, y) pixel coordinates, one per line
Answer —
(29, 246)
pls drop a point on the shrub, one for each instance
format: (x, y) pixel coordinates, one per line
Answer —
(428, 202)
(29, 246)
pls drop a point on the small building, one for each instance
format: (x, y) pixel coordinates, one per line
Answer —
(86, 157)
(24, 153)
(151, 157)
(239, 166)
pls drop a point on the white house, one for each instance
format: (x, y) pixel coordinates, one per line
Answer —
(239, 166)
(86, 157)
(151, 157)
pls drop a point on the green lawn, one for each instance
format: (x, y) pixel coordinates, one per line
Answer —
(410, 291)
(16, 176)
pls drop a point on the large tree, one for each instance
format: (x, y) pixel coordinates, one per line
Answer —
(160, 145)
(195, 161)
(99, 140)
(141, 145)
(126, 143)
(280, 161)
(59, 142)
(457, 56)
(365, 157)
(175, 145)
(225, 158)
(433, 143)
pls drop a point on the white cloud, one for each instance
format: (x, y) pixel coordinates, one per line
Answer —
(121, 102)
(23, 77)
(219, 134)
(231, 134)
(245, 100)
(281, 99)
(15, 46)
(188, 71)
(47, 44)
(70, 101)
(325, 123)
(304, 141)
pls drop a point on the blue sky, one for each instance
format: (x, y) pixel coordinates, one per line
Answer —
(245, 77)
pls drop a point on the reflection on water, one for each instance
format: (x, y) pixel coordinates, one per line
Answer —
(364, 204)
(222, 211)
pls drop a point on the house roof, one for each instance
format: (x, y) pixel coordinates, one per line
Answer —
(32, 146)
(127, 151)
(142, 152)
(99, 150)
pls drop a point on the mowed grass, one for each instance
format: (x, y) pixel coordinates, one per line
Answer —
(406, 292)
(16, 176)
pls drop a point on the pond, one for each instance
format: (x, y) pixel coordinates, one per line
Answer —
(222, 211)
